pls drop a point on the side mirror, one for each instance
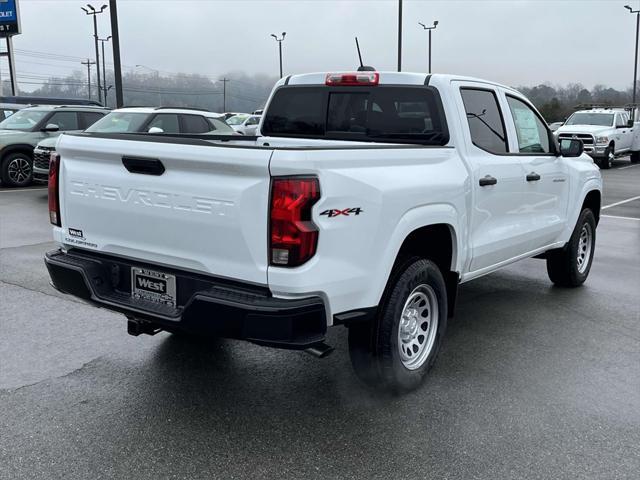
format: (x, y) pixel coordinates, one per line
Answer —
(51, 127)
(571, 147)
(155, 130)
(630, 123)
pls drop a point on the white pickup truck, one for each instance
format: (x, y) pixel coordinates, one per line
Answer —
(607, 133)
(365, 201)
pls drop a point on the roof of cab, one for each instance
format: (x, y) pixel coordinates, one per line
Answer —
(391, 78)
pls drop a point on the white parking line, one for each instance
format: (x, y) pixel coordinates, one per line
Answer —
(621, 202)
(13, 190)
(628, 166)
(621, 218)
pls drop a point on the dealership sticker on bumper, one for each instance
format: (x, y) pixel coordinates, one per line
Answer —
(153, 286)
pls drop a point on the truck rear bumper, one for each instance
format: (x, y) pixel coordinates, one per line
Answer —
(204, 305)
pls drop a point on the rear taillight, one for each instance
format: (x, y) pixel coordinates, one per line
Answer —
(54, 200)
(293, 236)
(352, 79)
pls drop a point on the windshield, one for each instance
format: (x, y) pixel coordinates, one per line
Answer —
(237, 119)
(584, 118)
(23, 120)
(119, 122)
(387, 114)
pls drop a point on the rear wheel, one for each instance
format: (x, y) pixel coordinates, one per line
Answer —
(570, 266)
(396, 350)
(17, 170)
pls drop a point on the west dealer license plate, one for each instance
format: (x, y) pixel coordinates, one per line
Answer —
(153, 286)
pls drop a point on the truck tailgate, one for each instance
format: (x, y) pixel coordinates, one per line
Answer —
(206, 212)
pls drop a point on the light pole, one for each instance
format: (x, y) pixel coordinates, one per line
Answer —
(157, 75)
(95, 13)
(104, 69)
(635, 63)
(279, 40)
(399, 35)
(435, 24)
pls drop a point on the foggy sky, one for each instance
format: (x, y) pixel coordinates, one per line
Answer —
(513, 42)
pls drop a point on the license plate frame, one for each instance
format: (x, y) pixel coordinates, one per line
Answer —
(153, 286)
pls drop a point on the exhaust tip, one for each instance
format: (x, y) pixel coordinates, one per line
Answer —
(320, 350)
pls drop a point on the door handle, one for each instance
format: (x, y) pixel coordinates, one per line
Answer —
(487, 180)
(533, 177)
(145, 166)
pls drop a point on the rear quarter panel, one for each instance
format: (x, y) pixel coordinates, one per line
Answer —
(397, 189)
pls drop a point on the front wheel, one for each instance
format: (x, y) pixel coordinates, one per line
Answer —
(395, 351)
(17, 170)
(570, 266)
(605, 162)
(635, 157)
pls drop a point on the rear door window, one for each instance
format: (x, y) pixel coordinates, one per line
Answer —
(484, 117)
(393, 114)
(168, 122)
(194, 124)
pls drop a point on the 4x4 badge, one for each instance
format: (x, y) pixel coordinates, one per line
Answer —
(336, 212)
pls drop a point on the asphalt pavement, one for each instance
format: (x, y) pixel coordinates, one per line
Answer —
(533, 381)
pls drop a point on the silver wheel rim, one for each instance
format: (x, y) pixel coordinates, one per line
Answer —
(418, 327)
(19, 170)
(585, 243)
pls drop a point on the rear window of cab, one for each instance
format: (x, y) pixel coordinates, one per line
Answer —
(383, 113)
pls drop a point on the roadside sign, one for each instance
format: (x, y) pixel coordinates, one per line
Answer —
(9, 18)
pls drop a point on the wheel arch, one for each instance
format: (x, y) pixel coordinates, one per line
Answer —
(437, 242)
(25, 148)
(593, 201)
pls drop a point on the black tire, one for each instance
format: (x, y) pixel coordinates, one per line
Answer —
(17, 170)
(605, 162)
(635, 157)
(376, 348)
(563, 266)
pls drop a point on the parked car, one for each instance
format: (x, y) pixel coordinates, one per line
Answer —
(27, 100)
(607, 133)
(41, 155)
(20, 133)
(226, 115)
(244, 124)
(366, 200)
(139, 120)
(260, 111)
(8, 109)
(166, 120)
(555, 126)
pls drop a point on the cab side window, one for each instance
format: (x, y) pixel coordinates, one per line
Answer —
(485, 120)
(532, 133)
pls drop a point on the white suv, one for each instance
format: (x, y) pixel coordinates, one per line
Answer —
(162, 120)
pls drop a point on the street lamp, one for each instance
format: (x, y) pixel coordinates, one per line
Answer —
(635, 63)
(104, 68)
(95, 13)
(279, 40)
(435, 24)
